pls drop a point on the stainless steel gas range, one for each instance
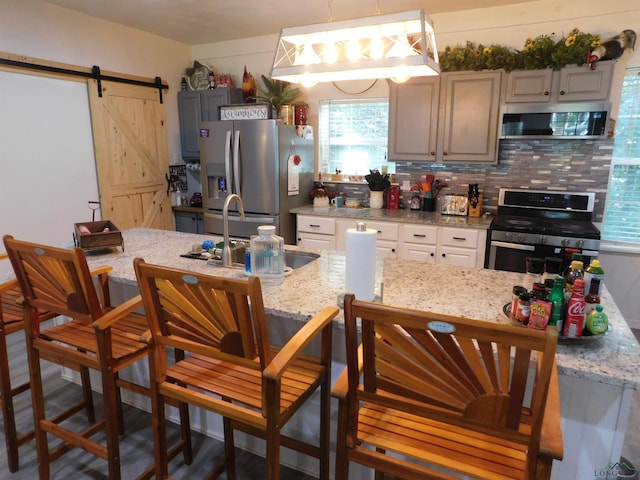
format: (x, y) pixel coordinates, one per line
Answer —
(541, 223)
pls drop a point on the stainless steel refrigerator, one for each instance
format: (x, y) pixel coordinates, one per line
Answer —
(269, 165)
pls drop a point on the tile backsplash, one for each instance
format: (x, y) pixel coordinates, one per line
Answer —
(567, 165)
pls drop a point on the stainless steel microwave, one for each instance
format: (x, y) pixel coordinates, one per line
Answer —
(570, 121)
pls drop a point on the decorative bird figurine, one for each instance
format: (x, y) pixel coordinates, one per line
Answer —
(612, 48)
(248, 87)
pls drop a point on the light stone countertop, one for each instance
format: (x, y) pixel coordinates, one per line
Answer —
(399, 216)
(469, 292)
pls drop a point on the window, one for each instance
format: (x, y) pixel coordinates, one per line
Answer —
(353, 136)
(622, 212)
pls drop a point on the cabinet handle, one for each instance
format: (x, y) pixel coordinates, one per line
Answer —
(561, 92)
(444, 255)
(419, 235)
(432, 254)
(314, 225)
(393, 250)
(546, 93)
(433, 153)
(459, 238)
(445, 153)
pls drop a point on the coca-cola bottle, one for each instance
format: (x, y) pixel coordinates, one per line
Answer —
(574, 319)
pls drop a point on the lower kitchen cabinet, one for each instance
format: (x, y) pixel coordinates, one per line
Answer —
(189, 222)
(316, 232)
(411, 241)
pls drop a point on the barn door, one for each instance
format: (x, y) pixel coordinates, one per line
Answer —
(130, 138)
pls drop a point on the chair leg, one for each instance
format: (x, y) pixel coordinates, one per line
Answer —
(6, 399)
(273, 452)
(342, 462)
(112, 422)
(159, 434)
(229, 449)
(87, 394)
(185, 433)
(325, 428)
(37, 395)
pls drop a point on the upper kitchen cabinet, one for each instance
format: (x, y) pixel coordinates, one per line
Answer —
(450, 118)
(570, 84)
(199, 106)
(413, 119)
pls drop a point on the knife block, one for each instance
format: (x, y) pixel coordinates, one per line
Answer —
(477, 210)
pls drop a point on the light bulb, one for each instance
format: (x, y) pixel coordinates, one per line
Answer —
(307, 81)
(353, 50)
(307, 56)
(400, 75)
(377, 48)
(330, 52)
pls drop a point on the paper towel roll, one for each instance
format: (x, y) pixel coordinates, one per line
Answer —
(360, 275)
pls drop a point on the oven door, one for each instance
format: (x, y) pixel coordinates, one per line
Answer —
(512, 257)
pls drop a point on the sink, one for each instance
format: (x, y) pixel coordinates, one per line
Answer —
(296, 259)
(292, 258)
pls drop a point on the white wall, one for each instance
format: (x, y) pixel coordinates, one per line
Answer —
(37, 29)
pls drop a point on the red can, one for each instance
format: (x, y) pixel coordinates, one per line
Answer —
(300, 114)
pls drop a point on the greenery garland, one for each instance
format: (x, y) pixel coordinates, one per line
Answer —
(541, 52)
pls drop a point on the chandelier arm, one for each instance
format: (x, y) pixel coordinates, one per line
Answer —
(356, 93)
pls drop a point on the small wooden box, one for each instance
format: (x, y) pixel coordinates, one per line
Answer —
(97, 238)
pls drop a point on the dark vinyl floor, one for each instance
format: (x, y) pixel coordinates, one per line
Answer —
(136, 447)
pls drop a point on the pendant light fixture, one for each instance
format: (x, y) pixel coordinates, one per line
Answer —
(396, 46)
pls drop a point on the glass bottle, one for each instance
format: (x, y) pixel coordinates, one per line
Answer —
(267, 255)
(523, 309)
(556, 298)
(592, 298)
(534, 267)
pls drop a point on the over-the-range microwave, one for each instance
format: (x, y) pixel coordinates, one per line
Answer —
(557, 120)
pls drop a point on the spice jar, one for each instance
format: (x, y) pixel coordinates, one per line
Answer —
(523, 310)
(517, 290)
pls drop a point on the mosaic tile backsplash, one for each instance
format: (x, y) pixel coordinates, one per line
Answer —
(567, 165)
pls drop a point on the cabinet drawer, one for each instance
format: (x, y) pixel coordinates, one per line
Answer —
(459, 237)
(323, 225)
(422, 234)
(386, 231)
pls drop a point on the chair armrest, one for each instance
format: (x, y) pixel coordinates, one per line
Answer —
(551, 433)
(341, 387)
(100, 270)
(299, 342)
(8, 285)
(118, 312)
(3, 256)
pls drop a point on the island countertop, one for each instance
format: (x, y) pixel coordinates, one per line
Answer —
(468, 292)
(400, 216)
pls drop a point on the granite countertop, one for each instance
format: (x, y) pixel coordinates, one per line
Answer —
(400, 216)
(469, 292)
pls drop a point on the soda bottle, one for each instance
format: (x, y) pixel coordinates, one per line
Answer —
(593, 271)
(556, 297)
(574, 318)
(576, 270)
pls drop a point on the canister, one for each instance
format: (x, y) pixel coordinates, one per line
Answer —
(287, 114)
(301, 111)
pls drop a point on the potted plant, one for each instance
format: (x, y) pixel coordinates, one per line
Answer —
(320, 195)
(278, 93)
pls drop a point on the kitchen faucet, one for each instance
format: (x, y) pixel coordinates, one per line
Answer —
(226, 249)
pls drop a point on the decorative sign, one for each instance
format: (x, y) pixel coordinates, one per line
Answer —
(254, 111)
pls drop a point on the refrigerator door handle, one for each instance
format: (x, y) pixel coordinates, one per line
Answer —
(227, 160)
(236, 162)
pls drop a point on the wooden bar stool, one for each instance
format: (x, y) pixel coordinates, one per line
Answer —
(232, 369)
(12, 321)
(441, 397)
(96, 337)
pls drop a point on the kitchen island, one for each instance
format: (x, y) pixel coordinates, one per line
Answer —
(597, 378)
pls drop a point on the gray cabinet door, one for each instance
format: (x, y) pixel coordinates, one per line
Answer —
(528, 86)
(469, 114)
(195, 107)
(188, 222)
(413, 119)
(583, 84)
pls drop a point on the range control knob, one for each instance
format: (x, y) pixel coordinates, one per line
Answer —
(508, 235)
(580, 243)
(542, 239)
(565, 242)
(521, 237)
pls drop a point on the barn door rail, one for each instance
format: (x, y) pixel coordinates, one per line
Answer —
(93, 72)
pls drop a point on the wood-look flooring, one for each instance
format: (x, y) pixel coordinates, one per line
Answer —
(137, 444)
